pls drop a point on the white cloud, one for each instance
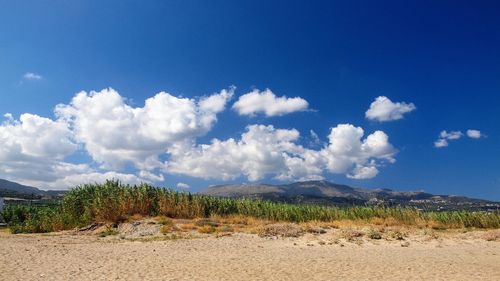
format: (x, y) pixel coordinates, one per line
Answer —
(347, 149)
(258, 153)
(475, 134)
(361, 172)
(453, 135)
(445, 137)
(34, 148)
(268, 103)
(151, 176)
(314, 138)
(75, 179)
(33, 151)
(265, 151)
(182, 185)
(32, 76)
(35, 136)
(383, 109)
(440, 143)
(115, 133)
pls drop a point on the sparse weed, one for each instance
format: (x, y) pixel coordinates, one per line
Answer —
(225, 228)
(353, 235)
(374, 234)
(188, 227)
(206, 229)
(108, 232)
(165, 221)
(282, 230)
(492, 235)
(165, 229)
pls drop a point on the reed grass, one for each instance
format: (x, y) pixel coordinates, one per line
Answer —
(114, 202)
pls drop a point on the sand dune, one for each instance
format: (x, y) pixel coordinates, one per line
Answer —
(244, 257)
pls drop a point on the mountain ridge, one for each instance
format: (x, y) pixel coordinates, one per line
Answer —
(327, 193)
(12, 189)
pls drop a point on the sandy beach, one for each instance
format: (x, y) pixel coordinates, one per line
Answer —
(241, 256)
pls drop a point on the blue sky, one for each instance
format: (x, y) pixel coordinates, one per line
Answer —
(338, 56)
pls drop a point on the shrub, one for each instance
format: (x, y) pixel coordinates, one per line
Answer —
(108, 232)
(165, 221)
(206, 229)
(374, 234)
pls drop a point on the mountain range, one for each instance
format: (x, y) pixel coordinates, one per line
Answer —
(12, 189)
(327, 193)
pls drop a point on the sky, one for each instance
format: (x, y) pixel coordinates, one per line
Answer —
(187, 94)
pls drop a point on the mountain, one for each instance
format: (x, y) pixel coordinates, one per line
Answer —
(15, 190)
(327, 193)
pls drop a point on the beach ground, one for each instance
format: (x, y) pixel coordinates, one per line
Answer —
(241, 256)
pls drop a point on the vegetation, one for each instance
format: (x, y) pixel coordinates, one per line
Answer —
(115, 202)
(108, 232)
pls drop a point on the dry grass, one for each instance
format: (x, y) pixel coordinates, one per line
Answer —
(188, 226)
(336, 232)
(225, 228)
(135, 217)
(165, 229)
(206, 222)
(108, 232)
(234, 219)
(493, 235)
(396, 233)
(384, 221)
(374, 234)
(281, 230)
(206, 229)
(165, 221)
(315, 228)
(352, 235)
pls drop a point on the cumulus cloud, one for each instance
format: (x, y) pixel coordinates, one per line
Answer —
(115, 133)
(445, 137)
(33, 146)
(364, 172)
(475, 134)
(32, 76)
(33, 151)
(268, 103)
(265, 151)
(453, 135)
(439, 143)
(92, 176)
(182, 185)
(383, 109)
(160, 138)
(35, 136)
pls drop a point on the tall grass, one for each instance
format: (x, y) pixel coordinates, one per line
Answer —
(115, 202)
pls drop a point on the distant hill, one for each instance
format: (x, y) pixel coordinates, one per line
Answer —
(327, 193)
(15, 190)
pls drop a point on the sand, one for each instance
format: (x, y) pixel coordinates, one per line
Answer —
(68, 256)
